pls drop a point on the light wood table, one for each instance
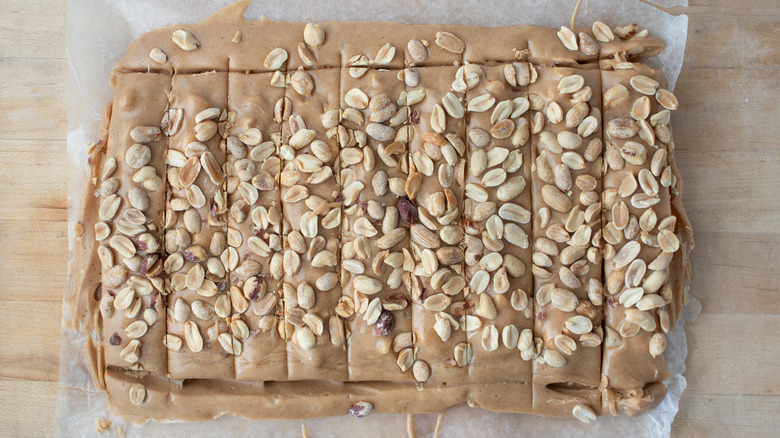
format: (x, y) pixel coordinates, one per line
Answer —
(727, 132)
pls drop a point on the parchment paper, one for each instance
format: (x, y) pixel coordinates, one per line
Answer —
(98, 34)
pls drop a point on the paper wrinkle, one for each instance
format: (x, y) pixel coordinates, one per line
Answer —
(98, 33)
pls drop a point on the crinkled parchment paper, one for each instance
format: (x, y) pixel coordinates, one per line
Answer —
(99, 32)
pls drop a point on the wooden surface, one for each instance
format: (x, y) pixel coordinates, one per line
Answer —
(727, 132)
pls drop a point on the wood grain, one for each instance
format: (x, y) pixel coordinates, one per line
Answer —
(33, 221)
(33, 96)
(716, 415)
(28, 407)
(33, 352)
(728, 148)
(734, 345)
(729, 34)
(33, 180)
(33, 29)
(33, 212)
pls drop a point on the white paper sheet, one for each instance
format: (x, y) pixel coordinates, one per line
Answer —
(98, 34)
